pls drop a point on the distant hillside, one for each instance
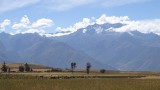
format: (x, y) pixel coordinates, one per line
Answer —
(33, 66)
(123, 50)
(33, 48)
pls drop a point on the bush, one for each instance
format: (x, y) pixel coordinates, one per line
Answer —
(102, 70)
(27, 67)
(4, 67)
(21, 68)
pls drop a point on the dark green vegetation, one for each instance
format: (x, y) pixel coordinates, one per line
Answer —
(17, 65)
(4, 67)
(88, 66)
(20, 82)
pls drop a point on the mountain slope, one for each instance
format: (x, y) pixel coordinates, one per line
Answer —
(32, 48)
(2, 48)
(125, 51)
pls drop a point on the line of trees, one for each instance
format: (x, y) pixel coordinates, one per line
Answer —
(88, 67)
(27, 68)
(73, 66)
(22, 68)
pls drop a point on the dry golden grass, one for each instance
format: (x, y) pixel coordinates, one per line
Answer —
(110, 80)
(28, 81)
(79, 84)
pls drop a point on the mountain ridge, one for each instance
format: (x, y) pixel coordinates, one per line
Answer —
(33, 48)
(123, 50)
(98, 43)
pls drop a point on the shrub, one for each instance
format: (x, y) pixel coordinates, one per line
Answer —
(102, 71)
(21, 68)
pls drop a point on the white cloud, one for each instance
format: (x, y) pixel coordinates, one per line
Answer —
(144, 26)
(7, 5)
(34, 31)
(42, 23)
(55, 35)
(39, 26)
(113, 3)
(25, 26)
(66, 4)
(85, 22)
(112, 19)
(61, 5)
(24, 23)
(5, 23)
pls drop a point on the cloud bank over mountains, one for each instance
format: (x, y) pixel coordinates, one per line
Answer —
(144, 26)
(40, 26)
(25, 26)
(71, 29)
(61, 5)
(4, 24)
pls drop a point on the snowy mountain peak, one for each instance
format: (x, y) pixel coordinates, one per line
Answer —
(90, 29)
(100, 28)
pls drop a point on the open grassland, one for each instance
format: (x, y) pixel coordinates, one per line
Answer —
(107, 81)
(80, 84)
(93, 73)
(40, 79)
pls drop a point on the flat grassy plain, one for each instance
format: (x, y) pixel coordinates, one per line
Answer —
(80, 84)
(30, 81)
(78, 80)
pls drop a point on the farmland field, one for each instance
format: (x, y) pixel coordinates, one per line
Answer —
(80, 84)
(28, 81)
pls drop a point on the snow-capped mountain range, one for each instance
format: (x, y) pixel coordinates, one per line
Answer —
(101, 44)
(132, 50)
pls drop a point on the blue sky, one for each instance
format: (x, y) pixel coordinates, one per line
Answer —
(65, 13)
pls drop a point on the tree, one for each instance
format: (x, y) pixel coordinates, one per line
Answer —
(88, 66)
(21, 68)
(31, 70)
(9, 69)
(102, 70)
(4, 67)
(27, 67)
(73, 66)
